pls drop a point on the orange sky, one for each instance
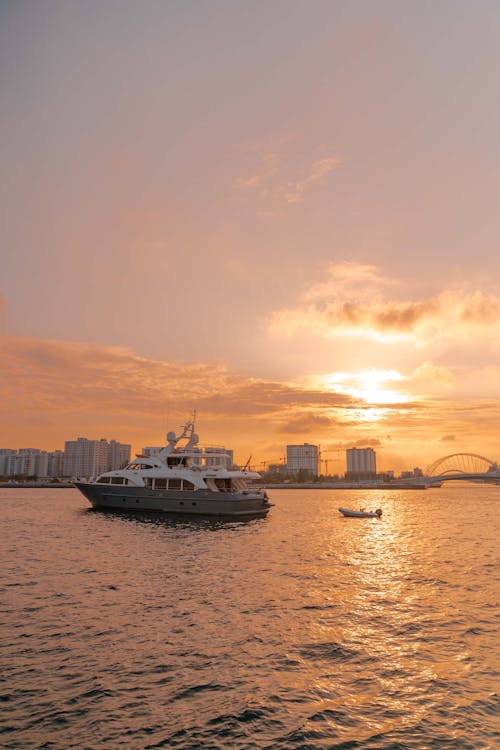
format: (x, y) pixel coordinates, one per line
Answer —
(282, 215)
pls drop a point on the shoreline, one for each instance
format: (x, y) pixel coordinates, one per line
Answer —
(35, 485)
(346, 486)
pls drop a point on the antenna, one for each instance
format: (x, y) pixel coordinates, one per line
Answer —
(247, 463)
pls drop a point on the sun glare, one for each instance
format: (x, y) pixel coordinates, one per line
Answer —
(367, 385)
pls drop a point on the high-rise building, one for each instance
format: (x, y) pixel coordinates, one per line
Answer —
(302, 457)
(7, 456)
(55, 466)
(118, 455)
(85, 458)
(88, 458)
(361, 463)
(25, 462)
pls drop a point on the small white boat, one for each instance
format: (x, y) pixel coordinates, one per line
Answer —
(361, 513)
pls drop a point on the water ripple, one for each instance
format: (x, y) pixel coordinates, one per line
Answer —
(298, 631)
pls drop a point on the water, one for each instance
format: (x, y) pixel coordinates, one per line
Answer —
(303, 630)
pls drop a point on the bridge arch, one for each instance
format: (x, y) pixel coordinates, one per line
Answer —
(460, 463)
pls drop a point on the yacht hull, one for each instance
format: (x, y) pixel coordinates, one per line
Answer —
(246, 504)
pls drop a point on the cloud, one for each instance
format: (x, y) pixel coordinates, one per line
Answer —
(347, 280)
(429, 372)
(360, 443)
(59, 389)
(351, 302)
(305, 424)
(318, 171)
(56, 377)
(276, 183)
(269, 166)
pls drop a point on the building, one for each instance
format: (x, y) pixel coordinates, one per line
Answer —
(361, 463)
(302, 457)
(32, 462)
(6, 455)
(277, 469)
(85, 458)
(118, 455)
(27, 462)
(55, 466)
(88, 458)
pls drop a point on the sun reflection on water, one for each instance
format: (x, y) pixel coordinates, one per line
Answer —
(388, 596)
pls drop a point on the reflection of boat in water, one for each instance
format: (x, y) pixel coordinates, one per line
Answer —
(183, 480)
(361, 513)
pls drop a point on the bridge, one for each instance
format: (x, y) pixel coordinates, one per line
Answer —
(464, 466)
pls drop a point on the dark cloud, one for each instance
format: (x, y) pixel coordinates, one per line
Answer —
(389, 317)
(404, 317)
(452, 307)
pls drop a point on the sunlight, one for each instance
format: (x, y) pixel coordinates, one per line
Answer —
(367, 385)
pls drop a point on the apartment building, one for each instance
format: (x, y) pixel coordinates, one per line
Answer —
(303, 456)
(88, 458)
(361, 463)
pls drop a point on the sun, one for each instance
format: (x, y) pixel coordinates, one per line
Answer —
(368, 385)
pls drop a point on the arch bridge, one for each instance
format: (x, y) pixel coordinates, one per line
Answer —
(464, 466)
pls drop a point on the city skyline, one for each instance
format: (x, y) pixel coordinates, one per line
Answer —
(282, 216)
(356, 461)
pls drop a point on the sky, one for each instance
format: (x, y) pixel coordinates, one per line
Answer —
(282, 214)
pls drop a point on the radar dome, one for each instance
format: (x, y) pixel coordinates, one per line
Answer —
(195, 439)
(171, 436)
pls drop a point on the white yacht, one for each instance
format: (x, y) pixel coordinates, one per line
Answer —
(180, 479)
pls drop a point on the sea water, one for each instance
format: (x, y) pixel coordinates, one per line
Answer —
(302, 630)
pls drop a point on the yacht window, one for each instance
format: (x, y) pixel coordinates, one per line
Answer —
(174, 484)
(160, 484)
(104, 480)
(224, 485)
(117, 480)
(148, 482)
(174, 461)
(187, 485)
